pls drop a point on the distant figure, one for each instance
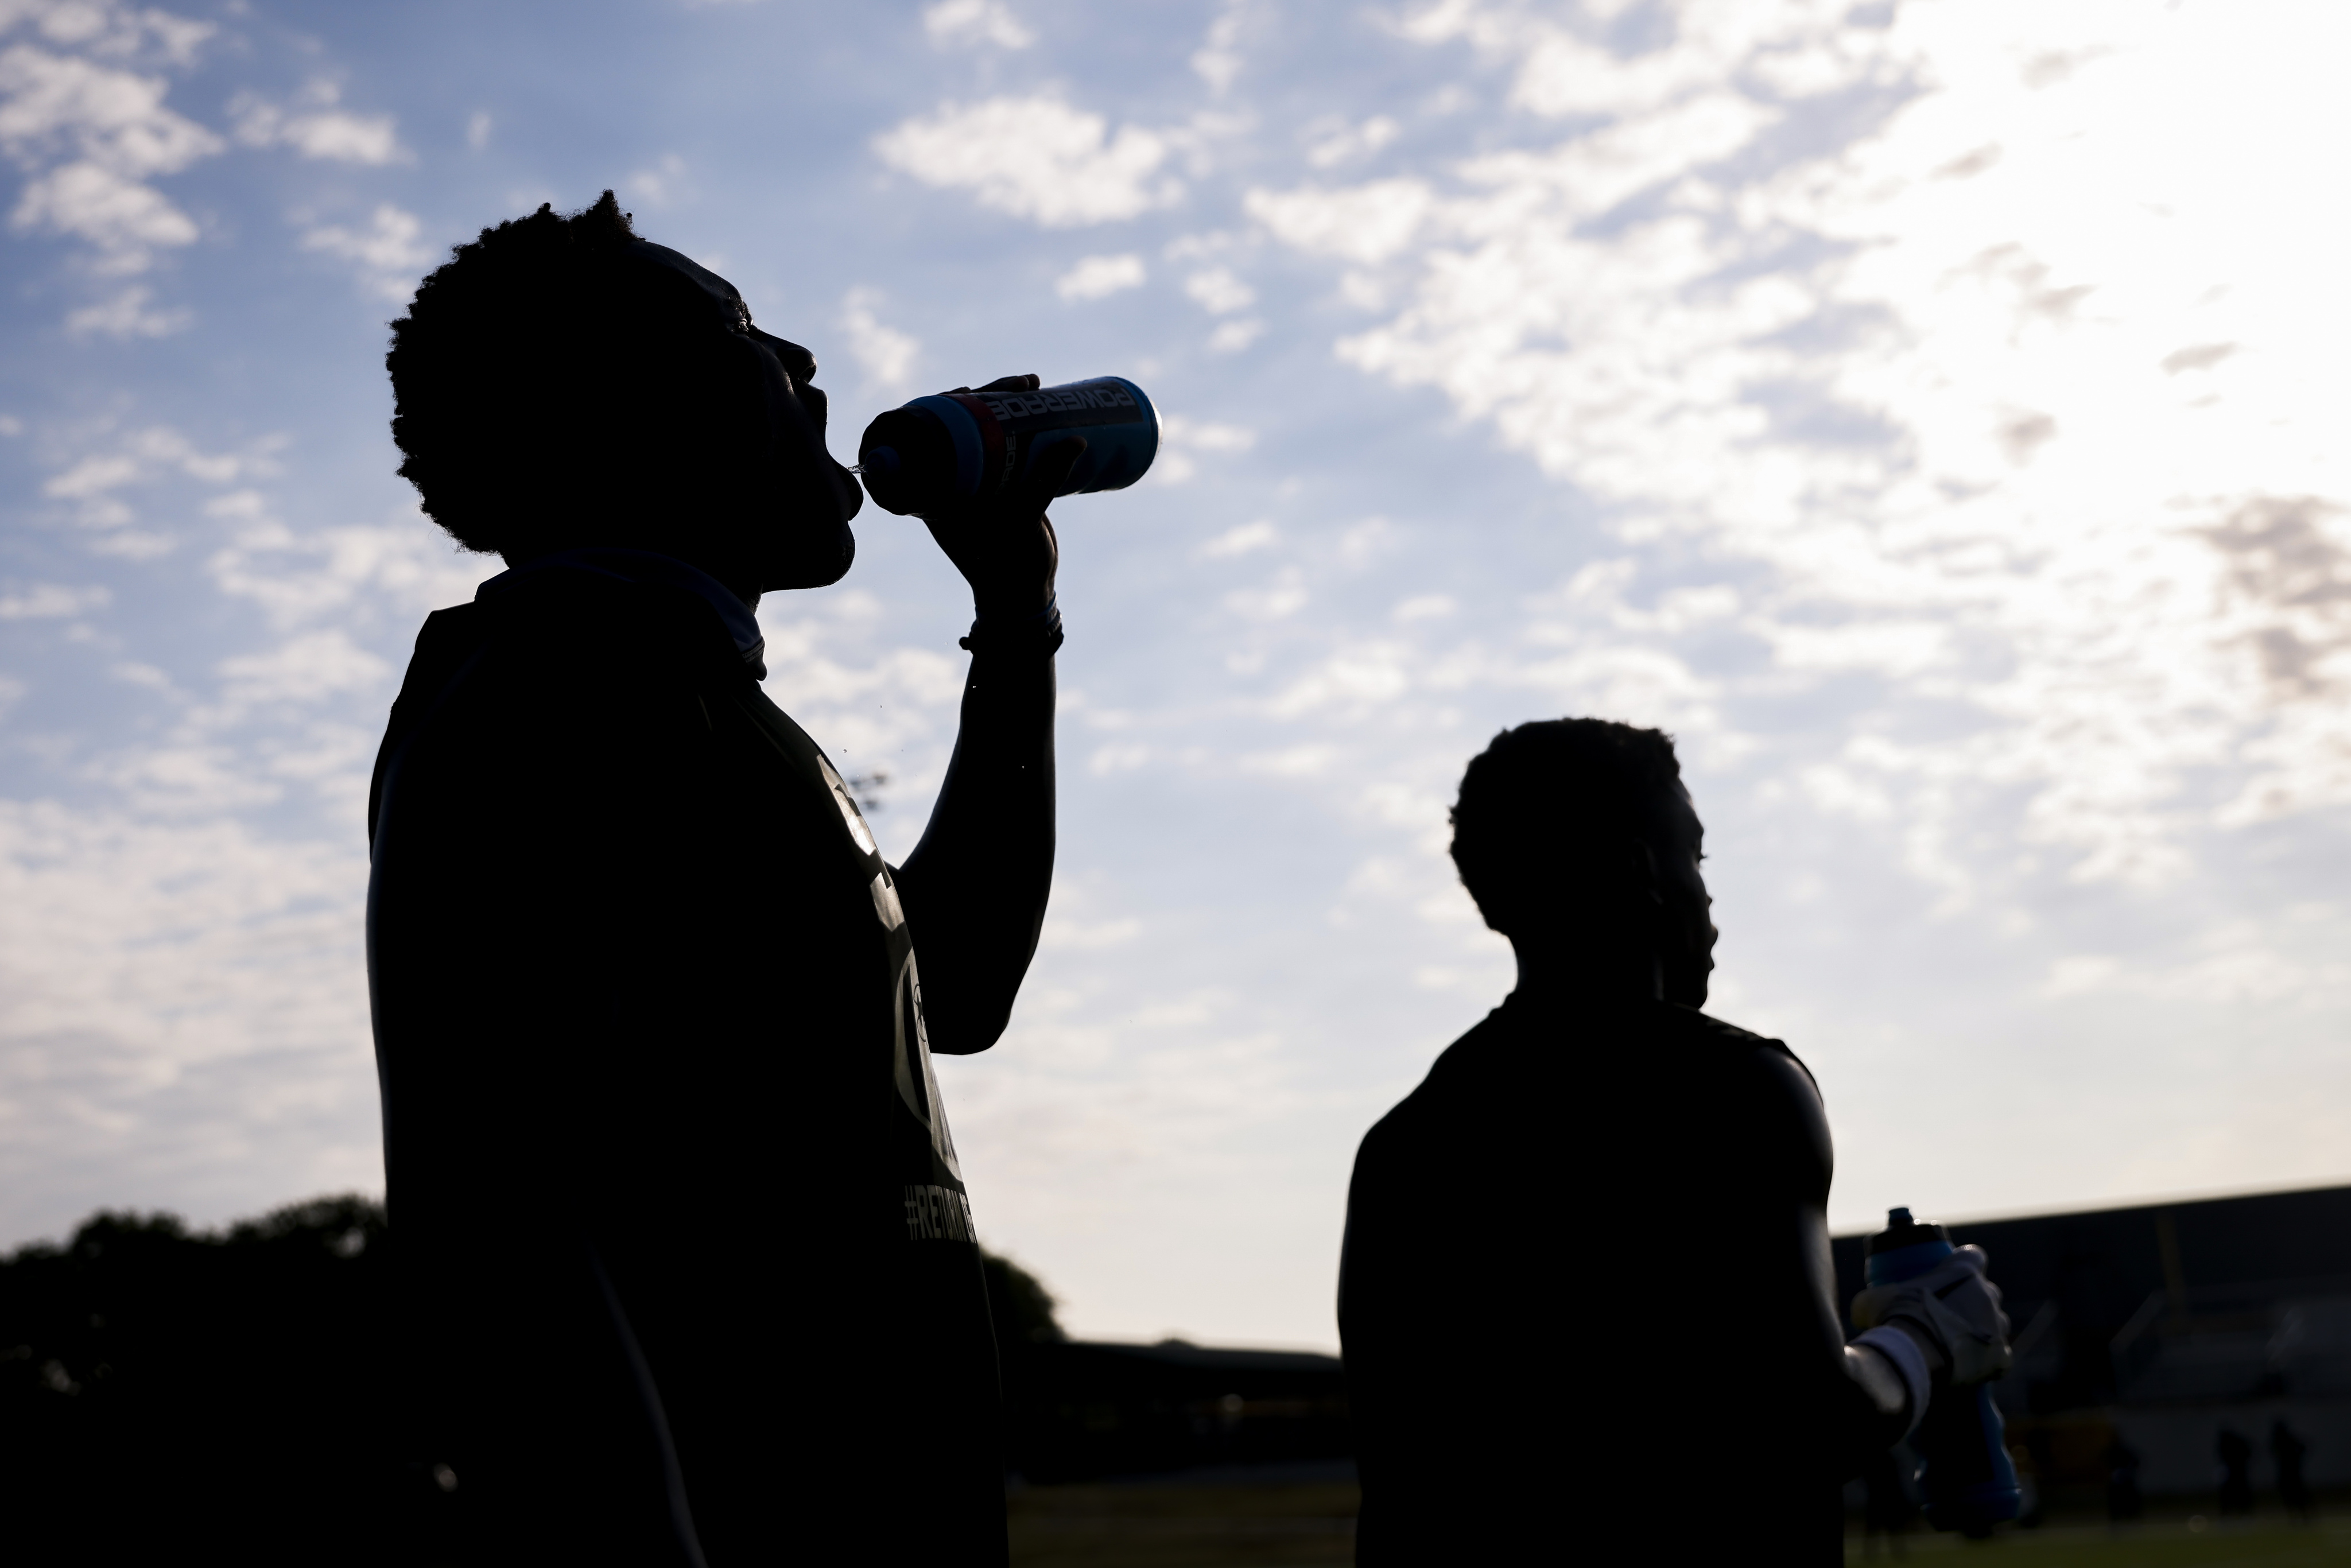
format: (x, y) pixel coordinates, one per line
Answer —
(2028, 1457)
(2236, 1453)
(2124, 1502)
(1598, 1141)
(2041, 1446)
(1890, 1508)
(2288, 1451)
(690, 1265)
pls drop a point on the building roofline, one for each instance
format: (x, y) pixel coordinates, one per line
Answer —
(2065, 1211)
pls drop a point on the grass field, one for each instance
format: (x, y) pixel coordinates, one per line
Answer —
(1277, 1526)
(1182, 1526)
(2160, 1542)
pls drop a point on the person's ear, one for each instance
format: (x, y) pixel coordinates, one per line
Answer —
(1645, 873)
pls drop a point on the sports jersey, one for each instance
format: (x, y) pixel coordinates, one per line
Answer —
(1586, 1300)
(687, 1247)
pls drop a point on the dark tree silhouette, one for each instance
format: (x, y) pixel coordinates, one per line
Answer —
(1023, 1309)
(168, 1394)
(161, 1387)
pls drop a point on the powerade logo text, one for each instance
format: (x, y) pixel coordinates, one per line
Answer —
(1058, 400)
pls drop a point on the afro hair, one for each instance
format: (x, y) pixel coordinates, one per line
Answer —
(1559, 799)
(545, 390)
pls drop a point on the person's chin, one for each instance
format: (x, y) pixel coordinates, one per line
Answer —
(815, 562)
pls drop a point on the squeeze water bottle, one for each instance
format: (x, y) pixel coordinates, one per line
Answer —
(1970, 1484)
(963, 448)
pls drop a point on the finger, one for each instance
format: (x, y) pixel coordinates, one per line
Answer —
(1048, 472)
(1013, 383)
(1050, 468)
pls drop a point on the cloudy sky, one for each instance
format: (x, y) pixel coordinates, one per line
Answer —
(1927, 413)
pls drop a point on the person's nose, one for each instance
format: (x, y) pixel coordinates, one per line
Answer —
(798, 363)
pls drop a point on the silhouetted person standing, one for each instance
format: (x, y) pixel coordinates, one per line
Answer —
(690, 1264)
(2288, 1452)
(1598, 1141)
(2236, 1455)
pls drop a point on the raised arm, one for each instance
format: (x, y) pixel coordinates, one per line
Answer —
(975, 888)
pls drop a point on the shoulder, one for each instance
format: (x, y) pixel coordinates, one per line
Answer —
(446, 641)
(1770, 1091)
(1761, 1061)
(1460, 1081)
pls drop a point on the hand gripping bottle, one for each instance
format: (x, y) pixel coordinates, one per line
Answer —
(1970, 1484)
(961, 449)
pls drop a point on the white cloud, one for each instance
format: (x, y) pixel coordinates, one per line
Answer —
(91, 136)
(106, 28)
(130, 314)
(309, 668)
(410, 565)
(1362, 224)
(93, 483)
(172, 994)
(976, 22)
(1218, 59)
(1232, 336)
(124, 219)
(1279, 600)
(477, 128)
(1218, 291)
(1099, 276)
(1995, 444)
(658, 184)
(45, 600)
(1035, 158)
(1118, 756)
(113, 118)
(2237, 965)
(1240, 540)
(1352, 142)
(886, 355)
(1181, 440)
(388, 253)
(1292, 761)
(314, 127)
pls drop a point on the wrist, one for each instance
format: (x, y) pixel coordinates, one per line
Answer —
(1013, 631)
(1938, 1365)
(1002, 605)
(1908, 1357)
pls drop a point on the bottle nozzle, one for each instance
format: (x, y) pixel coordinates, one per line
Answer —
(1896, 1218)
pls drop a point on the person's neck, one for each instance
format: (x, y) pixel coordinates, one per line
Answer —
(729, 576)
(1560, 971)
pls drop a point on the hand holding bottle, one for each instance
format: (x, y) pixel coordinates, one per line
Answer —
(1954, 1308)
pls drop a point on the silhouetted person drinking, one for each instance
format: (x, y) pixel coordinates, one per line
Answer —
(1586, 1284)
(689, 1259)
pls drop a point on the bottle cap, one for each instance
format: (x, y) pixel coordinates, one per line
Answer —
(1901, 1231)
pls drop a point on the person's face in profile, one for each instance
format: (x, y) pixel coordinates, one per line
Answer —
(795, 532)
(1689, 949)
